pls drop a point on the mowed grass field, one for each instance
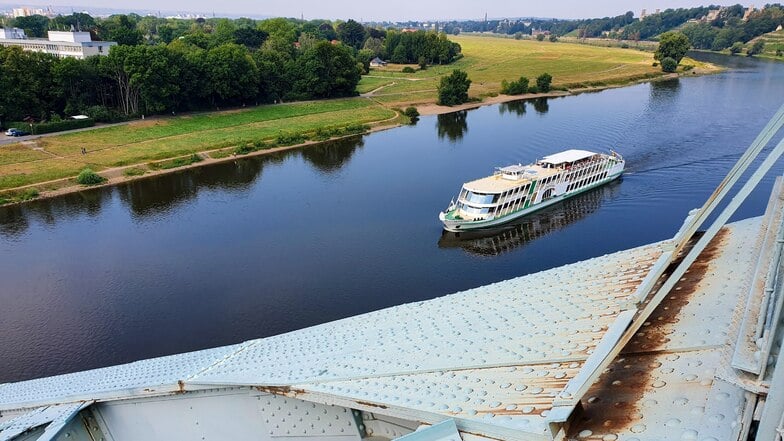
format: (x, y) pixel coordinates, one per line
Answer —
(489, 60)
(56, 157)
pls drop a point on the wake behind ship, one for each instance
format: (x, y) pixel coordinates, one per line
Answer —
(517, 190)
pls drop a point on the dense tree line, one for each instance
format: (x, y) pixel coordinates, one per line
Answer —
(729, 28)
(413, 47)
(169, 65)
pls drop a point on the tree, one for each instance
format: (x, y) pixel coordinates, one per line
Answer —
(756, 48)
(364, 56)
(33, 25)
(701, 35)
(543, 82)
(453, 89)
(553, 38)
(736, 48)
(376, 45)
(515, 87)
(113, 67)
(122, 29)
(232, 74)
(273, 80)
(669, 64)
(154, 73)
(540, 37)
(352, 33)
(279, 28)
(673, 45)
(250, 37)
(325, 71)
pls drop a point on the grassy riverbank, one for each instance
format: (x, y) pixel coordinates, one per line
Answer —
(49, 164)
(489, 60)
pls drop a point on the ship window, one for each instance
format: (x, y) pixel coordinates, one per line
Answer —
(474, 210)
(479, 198)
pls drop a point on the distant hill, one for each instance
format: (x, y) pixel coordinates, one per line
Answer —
(708, 27)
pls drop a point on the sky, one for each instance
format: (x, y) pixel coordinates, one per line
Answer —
(397, 10)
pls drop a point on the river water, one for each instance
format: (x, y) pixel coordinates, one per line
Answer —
(265, 245)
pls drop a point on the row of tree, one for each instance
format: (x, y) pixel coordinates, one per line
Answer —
(729, 29)
(145, 79)
(133, 29)
(170, 65)
(720, 33)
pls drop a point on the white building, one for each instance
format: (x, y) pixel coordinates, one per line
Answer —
(62, 44)
(27, 12)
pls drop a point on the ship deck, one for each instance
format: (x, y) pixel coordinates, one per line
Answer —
(497, 184)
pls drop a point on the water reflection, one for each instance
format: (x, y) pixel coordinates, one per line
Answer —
(665, 89)
(512, 108)
(541, 106)
(330, 156)
(16, 219)
(452, 126)
(13, 222)
(507, 238)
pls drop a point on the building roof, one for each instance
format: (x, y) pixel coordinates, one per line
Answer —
(568, 156)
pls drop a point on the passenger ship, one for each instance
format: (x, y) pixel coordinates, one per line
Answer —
(514, 191)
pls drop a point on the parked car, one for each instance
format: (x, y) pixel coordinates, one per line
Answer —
(16, 132)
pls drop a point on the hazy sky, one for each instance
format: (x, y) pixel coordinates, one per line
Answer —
(397, 10)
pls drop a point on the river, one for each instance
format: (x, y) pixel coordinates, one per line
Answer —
(264, 245)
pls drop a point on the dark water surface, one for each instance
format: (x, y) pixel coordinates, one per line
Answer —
(265, 245)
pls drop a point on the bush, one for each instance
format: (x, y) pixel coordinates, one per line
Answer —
(408, 69)
(411, 112)
(105, 115)
(518, 87)
(669, 64)
(544, 81)
(540, 37)
(736, 48)
(245, 149)
(29, 194)
(687, 67)
(756, 48)
(533, 89)
(53, 126)
(290, 138)
(89, 177)
(553, 38)
(135, 171)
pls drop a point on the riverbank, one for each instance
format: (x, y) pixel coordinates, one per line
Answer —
(123, 174)
(46, 167)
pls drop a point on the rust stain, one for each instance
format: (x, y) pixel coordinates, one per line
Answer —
(281, 390)
(180, 387)
(369, 404)
(613, 402)
(652, 336)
